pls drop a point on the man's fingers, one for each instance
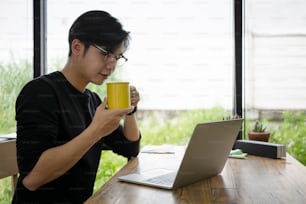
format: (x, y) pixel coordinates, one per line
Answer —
(104, 103)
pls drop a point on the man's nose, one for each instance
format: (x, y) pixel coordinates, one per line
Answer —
(110, 66)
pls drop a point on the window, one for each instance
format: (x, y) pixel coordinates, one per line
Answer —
(275, 57)
(181, 54)
(16, 53)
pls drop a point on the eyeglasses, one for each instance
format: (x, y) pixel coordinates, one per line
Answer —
(110, 57)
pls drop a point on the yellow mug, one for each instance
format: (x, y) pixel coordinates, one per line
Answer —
(118, 95)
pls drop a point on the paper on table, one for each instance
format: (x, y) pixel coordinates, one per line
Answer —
(159, 149)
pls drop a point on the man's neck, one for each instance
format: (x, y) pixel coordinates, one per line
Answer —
(75, 79)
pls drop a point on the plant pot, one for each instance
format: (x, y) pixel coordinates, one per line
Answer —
(259, 136)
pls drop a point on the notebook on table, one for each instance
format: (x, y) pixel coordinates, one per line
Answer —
(205, 156)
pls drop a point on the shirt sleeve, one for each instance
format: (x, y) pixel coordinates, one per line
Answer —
(37, 123)
(120, 145)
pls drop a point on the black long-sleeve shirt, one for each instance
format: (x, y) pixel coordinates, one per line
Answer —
(49, 113)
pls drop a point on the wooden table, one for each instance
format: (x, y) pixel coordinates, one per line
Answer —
(251, 180)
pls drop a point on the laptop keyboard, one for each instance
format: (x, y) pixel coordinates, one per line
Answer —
(166, 179)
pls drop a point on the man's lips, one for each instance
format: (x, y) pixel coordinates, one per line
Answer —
(104, 75)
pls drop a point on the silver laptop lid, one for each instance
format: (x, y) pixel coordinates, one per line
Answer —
(207, 151)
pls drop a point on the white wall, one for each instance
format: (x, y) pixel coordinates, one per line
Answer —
(277, 74)
(276, 54)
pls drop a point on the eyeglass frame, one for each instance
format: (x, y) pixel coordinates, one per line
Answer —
(108, 54)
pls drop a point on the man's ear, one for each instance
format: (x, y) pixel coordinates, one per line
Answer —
(77, 47)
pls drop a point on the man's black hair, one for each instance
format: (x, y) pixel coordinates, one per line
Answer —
(98, 27)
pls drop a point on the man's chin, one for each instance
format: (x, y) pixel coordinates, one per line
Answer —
(98, 82)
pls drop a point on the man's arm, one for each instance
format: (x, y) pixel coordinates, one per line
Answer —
(131, 131)
(56, 161)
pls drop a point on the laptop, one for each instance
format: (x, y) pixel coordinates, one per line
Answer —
(204, 157)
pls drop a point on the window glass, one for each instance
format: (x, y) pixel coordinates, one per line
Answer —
(16, 54)
(181, 53)
(275, 57)
(275, 64)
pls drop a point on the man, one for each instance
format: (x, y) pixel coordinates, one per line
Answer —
(62, 126)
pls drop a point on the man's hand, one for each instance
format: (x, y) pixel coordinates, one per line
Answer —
(106, 121)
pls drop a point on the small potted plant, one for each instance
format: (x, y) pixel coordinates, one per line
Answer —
(259, 132)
